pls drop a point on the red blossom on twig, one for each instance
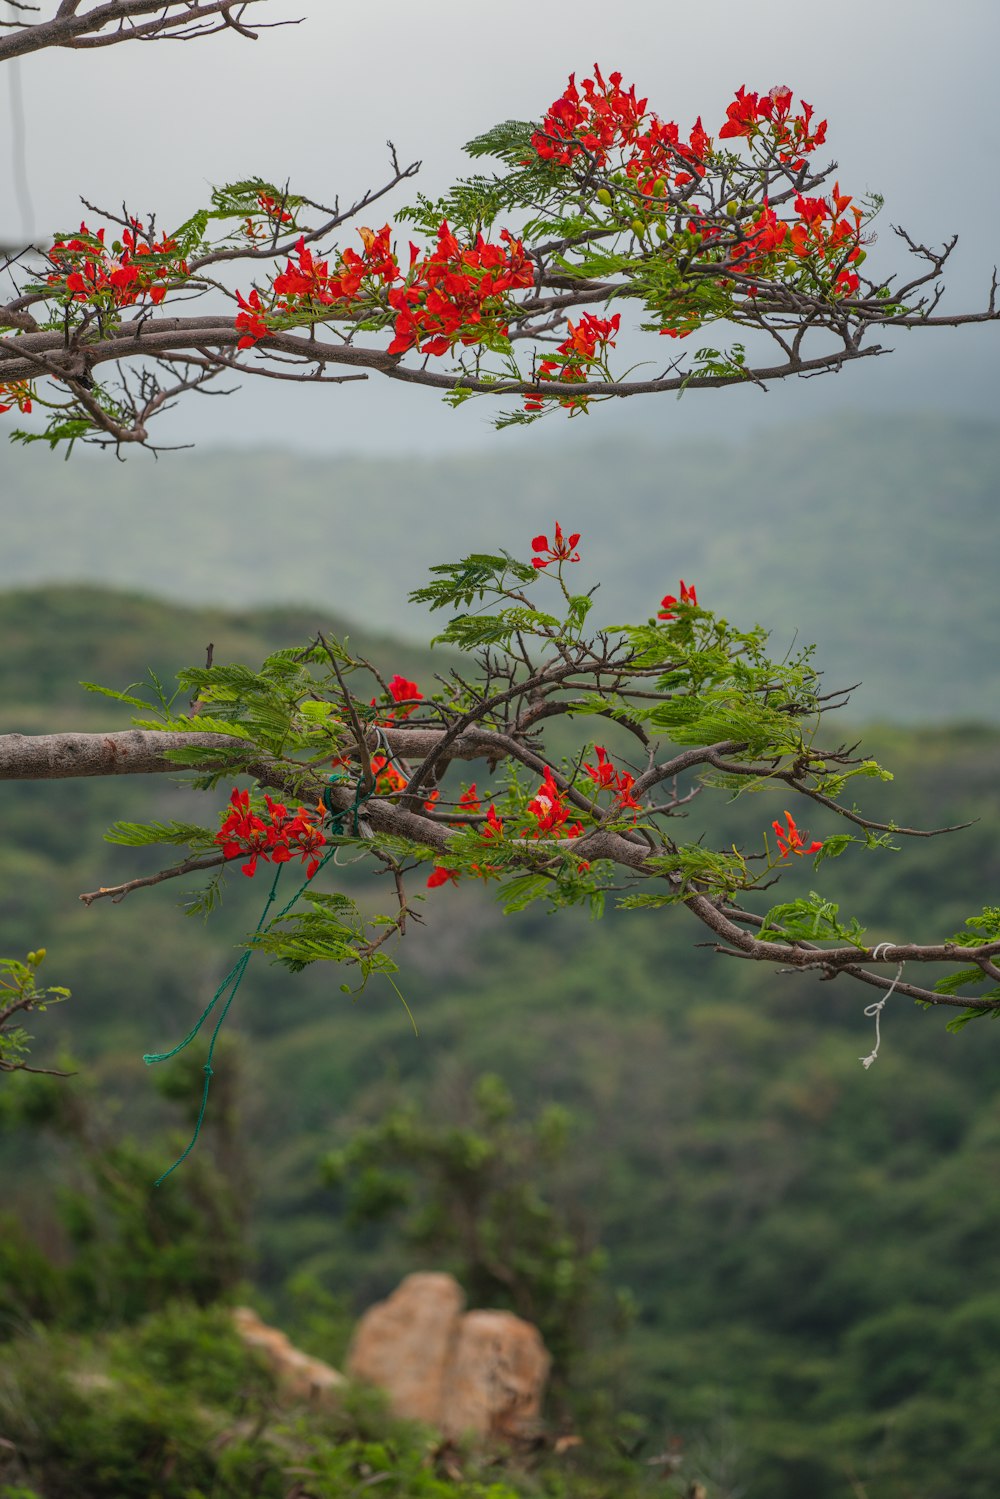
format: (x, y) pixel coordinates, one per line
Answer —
(669, 602)
(790, 840)
(561, 549)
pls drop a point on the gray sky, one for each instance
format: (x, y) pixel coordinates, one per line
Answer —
(908, 86)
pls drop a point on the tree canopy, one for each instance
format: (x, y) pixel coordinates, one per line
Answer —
(595, 739)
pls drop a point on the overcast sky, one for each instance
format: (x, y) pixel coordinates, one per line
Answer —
(909, 87)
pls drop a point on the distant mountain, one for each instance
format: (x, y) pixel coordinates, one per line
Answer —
(875, 537)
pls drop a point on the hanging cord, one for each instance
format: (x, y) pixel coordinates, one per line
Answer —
(234, 977)
(874, 1011)
(18, 135)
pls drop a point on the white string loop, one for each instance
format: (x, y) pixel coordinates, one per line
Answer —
(874, 1011)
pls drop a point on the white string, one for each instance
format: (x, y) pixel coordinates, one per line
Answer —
(874, 1011)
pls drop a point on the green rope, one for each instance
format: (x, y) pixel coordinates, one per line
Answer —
(235, 975)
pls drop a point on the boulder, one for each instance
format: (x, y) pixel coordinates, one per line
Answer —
(405, 1344)
(481, 1372)
(497, 1377)
(298, 1375)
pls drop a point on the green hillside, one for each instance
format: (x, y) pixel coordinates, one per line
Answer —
(874, 536)
(810, 1246)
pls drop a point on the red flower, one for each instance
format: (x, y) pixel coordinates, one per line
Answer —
(624, 789)
(606, 778)
(251, 320)
(669, 602)
(440, 876)
(388, 780)
(561, 549)
(273, 209)
(790, 840)
(603, 774)
(19, 393)
(741, 115)
(402, 691)
(494, 824)
(548, 807)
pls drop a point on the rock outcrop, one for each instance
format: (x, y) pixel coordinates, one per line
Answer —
(482, 1371)
(299, 1376)
(406, 1344)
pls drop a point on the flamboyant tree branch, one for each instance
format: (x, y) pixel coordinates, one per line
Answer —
(143, 752)
(74, 24)
(610, 207)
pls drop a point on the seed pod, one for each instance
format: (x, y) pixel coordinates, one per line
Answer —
(604, 196)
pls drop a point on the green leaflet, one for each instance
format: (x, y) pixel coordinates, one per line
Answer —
(331, 931)
(197, 723)
(139, 834)
(471, 631)
(978, 930)
(813, 919)
(472, 578)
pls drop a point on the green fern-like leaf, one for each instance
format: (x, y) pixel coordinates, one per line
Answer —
(139, 834)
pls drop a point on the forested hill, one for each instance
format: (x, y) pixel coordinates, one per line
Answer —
(810, 1245)
(876, 537)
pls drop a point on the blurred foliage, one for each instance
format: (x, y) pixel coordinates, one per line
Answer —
(810, 1246)
(176, 1408)
(20, 997)
(476, 1195)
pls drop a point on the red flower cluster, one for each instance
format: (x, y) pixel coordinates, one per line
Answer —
(457, 293)
(548, 808)
(601, 117)
(88, 272)
(669, 602)
(751, 114)
(606, 778)
(243, 832)
(790, 840)
(18, 393)
(307, 284)
(454, 294)
(820, 233)
(550, 818)
(561, 549)
(587, 345)
(606, 116)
